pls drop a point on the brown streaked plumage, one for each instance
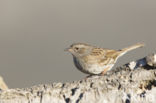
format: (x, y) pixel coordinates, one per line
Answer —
(92, 60)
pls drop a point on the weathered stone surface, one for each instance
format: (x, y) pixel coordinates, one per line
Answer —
(134, 82)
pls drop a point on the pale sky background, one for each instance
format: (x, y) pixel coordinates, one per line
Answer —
(34, 34)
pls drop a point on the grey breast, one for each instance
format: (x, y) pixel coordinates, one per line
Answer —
(77, 64)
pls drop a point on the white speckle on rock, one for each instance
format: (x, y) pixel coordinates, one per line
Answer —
(154, 58)
(132, 65)
(151, 60)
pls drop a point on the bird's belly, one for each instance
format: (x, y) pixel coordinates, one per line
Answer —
(96, 69)
(90, 68)
(93, 68)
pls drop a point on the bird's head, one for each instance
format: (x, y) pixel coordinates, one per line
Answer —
(79, 49)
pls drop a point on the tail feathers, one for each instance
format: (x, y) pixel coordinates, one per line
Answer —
(125, 50)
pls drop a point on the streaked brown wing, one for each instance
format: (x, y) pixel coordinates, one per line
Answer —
(109, 58)
(101, 56)
(98, 52)
(112, 53)
(94, 56)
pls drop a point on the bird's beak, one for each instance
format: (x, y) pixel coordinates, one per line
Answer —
(68, 49)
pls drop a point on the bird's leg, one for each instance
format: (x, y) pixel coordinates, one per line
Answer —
(104, 72)
(87, 77)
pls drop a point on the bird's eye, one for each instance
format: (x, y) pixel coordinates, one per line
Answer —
(76, 48)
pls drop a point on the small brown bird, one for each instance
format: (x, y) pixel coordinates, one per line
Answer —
(92, 60)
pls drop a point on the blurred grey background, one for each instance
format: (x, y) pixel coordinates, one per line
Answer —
(34, 34)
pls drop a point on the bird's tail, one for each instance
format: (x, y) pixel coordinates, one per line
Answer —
(125, 50)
